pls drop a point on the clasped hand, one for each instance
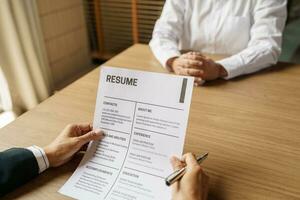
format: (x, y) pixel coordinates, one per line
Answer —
(197, 65)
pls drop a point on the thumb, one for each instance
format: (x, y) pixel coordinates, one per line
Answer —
(176, 163)
(96, 134)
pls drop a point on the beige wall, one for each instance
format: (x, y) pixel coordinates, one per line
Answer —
(65, 35)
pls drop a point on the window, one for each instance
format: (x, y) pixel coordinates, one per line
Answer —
(114, 25)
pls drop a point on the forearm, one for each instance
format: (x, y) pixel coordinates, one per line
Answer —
(17, 166)
(264, 46)
(164, 48)
(250, 60)
(168, 31)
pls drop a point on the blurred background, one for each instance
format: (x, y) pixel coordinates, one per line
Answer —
(47, 44)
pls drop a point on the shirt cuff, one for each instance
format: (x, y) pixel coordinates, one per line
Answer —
(233, 65)
(163, 54)
(41, 157)
(166, 55)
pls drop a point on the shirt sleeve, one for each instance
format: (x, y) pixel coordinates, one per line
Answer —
(41, 157)
(17, 167)
(168, 31)
(264, 47)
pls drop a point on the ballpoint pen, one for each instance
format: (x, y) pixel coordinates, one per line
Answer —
(176, 175)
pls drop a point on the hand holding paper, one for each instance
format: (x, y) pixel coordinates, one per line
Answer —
(144, 116)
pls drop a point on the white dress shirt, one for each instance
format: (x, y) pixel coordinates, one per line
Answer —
(40, 156)
(249, 31)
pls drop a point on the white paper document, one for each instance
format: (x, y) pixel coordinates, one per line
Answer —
(144, 116)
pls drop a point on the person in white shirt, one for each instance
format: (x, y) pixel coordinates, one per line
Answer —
(249, 32)
(20, 165)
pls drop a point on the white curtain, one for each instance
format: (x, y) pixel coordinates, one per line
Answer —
(23, 57)
(7, 114)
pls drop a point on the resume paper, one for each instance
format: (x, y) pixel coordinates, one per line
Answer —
(144, 116)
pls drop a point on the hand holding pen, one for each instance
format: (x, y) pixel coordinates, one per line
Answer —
(194, 183)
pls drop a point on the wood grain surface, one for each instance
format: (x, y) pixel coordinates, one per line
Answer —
(250, 125)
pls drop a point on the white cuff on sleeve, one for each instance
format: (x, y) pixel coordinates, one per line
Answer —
(234, 66)
(163, 53)
(41, 157)
(166, 55)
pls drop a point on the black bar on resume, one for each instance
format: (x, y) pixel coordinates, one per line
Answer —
(183, 90)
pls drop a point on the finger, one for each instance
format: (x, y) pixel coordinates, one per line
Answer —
(83, 128)
(205, 185)
(196, 57)
(195, 72)
(191, 72)
(199, 81)
(189, 53)
(195, 53)
(198, 54)
(176, 163)
(205, 178)
(79, 129)
(96, 134)
(190, 159)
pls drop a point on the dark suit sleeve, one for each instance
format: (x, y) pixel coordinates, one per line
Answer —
(17, 166)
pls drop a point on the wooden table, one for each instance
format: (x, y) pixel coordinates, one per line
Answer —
(250, 126)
